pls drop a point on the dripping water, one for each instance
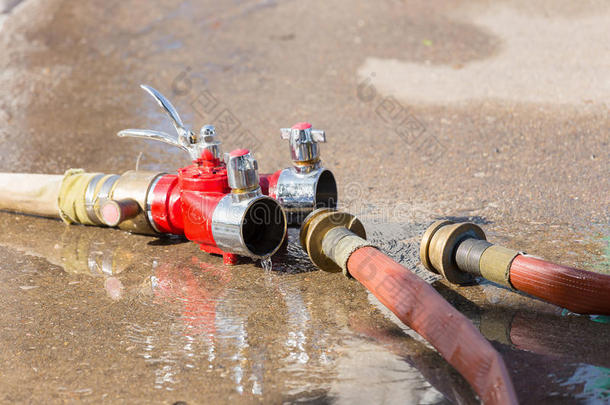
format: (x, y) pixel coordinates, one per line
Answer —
(266, 263)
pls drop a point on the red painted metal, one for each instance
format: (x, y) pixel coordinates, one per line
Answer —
(166, 207)
(183, 204)
(268, 183)
(239, 152)
(301, 126)
(421, 308)
(580, 291)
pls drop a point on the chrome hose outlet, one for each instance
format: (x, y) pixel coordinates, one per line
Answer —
(246, 222)
(307, 185)
(301, 193)
(253, 227)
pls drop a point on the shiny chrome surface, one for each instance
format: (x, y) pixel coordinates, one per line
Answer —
(246, 195)
(104, 193)
(184, 133)
(135, 185)
(255, 227)
(186, 139)
(149, 198)
(300, 193)
(209, 141)
(242, 171)
(304, 145)
(90, 198)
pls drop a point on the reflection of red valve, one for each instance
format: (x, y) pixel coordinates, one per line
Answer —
(199, 294)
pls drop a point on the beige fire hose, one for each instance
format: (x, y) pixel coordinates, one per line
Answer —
(34, 194)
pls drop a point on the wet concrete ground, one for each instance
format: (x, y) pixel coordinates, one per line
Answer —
(496, 113)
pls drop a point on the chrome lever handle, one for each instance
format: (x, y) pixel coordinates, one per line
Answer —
(185, 139)
(155, 135)
(169, 109)
(318, 135)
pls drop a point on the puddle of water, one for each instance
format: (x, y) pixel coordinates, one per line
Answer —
(183, 325)
(178, 318)
(601, 261)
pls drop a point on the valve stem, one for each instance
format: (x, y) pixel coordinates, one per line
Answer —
(303, 141)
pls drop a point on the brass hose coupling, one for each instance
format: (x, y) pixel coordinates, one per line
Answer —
(330, 237)
(460, 251)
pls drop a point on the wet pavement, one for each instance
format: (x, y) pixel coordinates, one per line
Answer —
(431, 111)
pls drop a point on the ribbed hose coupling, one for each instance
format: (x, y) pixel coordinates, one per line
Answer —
(330, 237)
(336, 241)
(111, 200)
(459, 251)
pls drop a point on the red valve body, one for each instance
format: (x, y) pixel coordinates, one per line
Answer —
(268, 183)
(183, 204)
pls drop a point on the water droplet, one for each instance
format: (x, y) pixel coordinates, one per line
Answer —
(266, 263)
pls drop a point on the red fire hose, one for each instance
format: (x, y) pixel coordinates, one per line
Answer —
(420, 307)
(335, 241)
(580, 291)
(460, 251)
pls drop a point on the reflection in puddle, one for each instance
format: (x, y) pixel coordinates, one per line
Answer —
(182, 319)
(270, 334)
(552, 355)
(391, 380)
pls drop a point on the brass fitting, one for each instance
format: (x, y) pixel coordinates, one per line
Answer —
(438, 246)
(82, 195)
(135, 185)
(330, 237)
(459, 251)
(495, 264)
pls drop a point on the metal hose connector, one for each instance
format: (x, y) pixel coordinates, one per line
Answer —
(459, 252)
